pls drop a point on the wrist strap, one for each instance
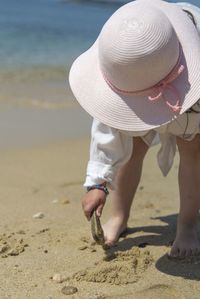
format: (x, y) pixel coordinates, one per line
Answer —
(99, 187)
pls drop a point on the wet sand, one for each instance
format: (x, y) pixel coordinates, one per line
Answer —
(45, 241)
(22, 127)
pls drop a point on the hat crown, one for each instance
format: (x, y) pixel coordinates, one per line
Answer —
(138, 47)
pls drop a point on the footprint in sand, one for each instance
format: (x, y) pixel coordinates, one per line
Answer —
(119, 269)
(160, 291)
(11, 246)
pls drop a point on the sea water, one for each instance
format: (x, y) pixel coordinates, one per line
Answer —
(39, 40)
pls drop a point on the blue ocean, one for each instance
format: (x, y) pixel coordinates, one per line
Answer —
(48, 32)
(39, 41)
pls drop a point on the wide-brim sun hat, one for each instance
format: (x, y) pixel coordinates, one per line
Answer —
(143, 71)
(194, 10)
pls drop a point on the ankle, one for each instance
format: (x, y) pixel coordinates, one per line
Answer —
(186, 227)
(187, 222)
(121, 219)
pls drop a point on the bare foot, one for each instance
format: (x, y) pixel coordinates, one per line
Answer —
(186, 242)
(113, 230)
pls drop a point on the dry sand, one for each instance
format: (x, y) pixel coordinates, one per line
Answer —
(57, 242)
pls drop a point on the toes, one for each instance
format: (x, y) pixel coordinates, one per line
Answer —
(188, 252)
(195, 251)
(111, 239)
(181, 253)
(109, 244)
(174, 253)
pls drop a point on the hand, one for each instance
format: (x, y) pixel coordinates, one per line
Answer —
(94, 200)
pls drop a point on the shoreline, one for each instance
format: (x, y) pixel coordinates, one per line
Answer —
(22, 127)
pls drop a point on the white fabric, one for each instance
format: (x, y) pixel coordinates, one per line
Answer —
(111, 148)
(108, 151)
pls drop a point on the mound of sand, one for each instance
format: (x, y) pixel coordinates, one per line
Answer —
(118, 268)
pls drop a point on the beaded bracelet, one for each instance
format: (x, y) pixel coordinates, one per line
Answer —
(99, 187)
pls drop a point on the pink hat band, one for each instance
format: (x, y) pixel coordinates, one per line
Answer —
(158, 88)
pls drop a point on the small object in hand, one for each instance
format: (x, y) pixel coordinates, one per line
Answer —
(96, 228)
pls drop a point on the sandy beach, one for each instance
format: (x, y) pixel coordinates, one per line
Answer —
(45, 241)
(46, 248)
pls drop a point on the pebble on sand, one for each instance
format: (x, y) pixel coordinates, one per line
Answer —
(69, 290)
(39, 215)
(83, 247)
(59, 278)
(55, 201)
(65, 201)
(4, 248)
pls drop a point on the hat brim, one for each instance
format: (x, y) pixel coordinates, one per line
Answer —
(136, 113)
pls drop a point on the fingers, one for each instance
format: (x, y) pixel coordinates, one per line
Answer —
(93, 200)
(99, 210)
(88, 211)
(88, 208)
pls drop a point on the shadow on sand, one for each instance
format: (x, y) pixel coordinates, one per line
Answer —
(158, 235)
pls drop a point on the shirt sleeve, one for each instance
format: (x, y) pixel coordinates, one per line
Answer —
(109, 149)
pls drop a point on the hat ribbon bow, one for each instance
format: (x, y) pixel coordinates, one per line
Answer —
(158, 88)
(165, 84)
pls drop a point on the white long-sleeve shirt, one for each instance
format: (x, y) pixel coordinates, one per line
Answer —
(111, 148)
